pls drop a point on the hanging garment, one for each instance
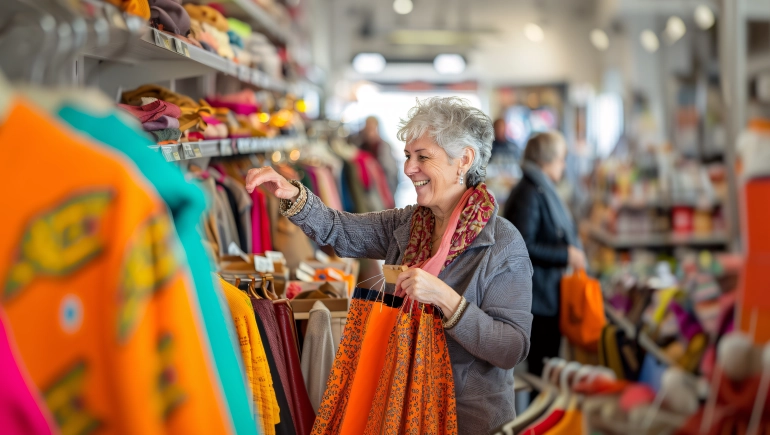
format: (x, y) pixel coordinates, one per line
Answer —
(265, 313)
(337, 395)
(91, 260)
(254, 358)
(572, 421)
(317, 352)
(22, 412)
(262, 240)
(240, 203)
(186, 204)
(286, 426)
(303, 411)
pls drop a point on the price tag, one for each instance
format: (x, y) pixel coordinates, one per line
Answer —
(234, 249)
(197, 150)
(244, 145)
(176, 155)
(188, 151)
(167, 154)
(304, 276)
(263, 264)
(162, 40)
(254, 144)
(274, 256)
(322, 257)
(181, 48)
(158, 38)
(225, 148)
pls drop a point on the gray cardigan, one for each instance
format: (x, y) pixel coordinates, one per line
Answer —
(495, 276)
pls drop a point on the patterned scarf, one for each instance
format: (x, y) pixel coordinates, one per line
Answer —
(475, 215)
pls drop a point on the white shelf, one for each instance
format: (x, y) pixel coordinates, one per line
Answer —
(226, 147)
(186, 60)
(656, 240)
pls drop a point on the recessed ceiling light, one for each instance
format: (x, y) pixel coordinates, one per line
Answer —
(675, 29)
(449, 64)
(533, 32)
(599, 39)
(369, 63)
(403, 7)
(649, 41)
(704, 17)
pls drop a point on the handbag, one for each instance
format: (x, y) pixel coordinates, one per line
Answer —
(582, 310)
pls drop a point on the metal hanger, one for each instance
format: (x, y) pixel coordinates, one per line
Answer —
(26, 21)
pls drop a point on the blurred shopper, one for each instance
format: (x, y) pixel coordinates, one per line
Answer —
(370, 141)
(501, 146)
(544, 221)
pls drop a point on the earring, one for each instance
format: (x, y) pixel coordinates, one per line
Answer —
(460, 178)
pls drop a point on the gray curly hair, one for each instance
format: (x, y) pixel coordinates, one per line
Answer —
(454, 125)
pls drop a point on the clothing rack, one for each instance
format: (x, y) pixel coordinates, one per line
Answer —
(642, 338)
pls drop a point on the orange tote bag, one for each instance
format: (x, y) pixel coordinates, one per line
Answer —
(582, 310)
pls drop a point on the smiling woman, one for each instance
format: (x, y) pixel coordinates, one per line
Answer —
(463, 258)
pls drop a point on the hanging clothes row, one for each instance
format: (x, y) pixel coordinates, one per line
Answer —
(106, 260)
(280, 396)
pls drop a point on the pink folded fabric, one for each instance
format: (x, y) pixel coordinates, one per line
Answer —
(246, 96)
(161, 123)
(237, 108)
(152, 111)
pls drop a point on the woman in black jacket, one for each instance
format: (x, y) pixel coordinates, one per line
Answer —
(538, 212)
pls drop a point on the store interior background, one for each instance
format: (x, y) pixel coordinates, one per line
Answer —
(652, 97)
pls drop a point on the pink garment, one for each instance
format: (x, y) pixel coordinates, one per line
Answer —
(237, 108)
(636, 395)
(152, 111)
(245, 96)
(363, 173)
(21, 410)
(328, 187)
(261, 238)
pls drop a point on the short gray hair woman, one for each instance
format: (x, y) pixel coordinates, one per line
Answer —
(485, 289)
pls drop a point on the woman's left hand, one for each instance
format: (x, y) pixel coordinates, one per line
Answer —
(423, 287)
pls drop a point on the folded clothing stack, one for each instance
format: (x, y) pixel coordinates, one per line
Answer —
(198, 121)
(159, 118)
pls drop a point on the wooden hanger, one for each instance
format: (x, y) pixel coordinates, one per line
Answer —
(252, 289)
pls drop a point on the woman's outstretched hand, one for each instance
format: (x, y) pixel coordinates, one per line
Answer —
(272, 181)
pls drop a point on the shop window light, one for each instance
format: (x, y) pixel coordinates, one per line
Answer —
(533, 32)
(403, 7)
(704, 17)
(649, 41)
(675, 29)
(449, 64)
(369, 63)
(599, 39)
